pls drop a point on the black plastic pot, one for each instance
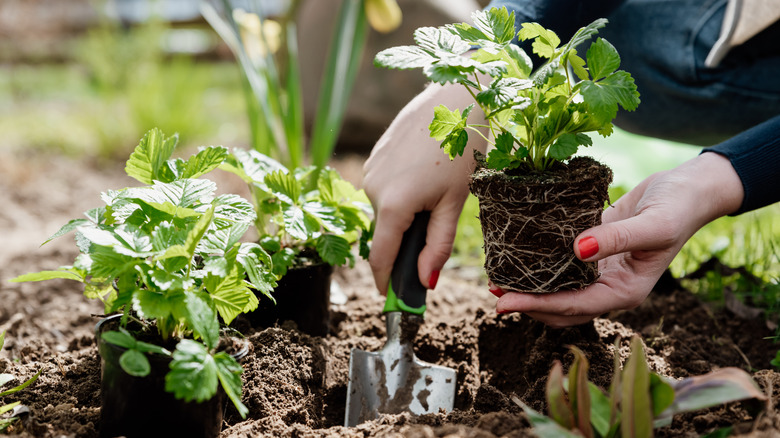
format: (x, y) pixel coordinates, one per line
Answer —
(140, 406)
(302, 296)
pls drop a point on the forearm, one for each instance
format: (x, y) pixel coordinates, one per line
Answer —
(755, 157)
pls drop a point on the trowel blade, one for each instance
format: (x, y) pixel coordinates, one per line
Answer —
(392, 381)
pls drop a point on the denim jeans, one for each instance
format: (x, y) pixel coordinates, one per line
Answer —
(663, 44)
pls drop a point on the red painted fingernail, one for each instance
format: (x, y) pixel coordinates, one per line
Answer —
(434, 279)
(588, 247)
(495, 290)
(501, 312)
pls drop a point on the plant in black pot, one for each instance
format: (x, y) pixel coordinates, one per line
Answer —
(309, 219)
(167, 261)
(534, 196)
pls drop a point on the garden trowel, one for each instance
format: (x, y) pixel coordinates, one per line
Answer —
(393, 380)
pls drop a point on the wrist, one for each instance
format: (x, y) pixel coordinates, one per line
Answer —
(717, 184)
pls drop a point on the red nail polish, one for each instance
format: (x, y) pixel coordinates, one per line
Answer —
(495, 290)
(502, 312)
(434, 279)
(588, 247)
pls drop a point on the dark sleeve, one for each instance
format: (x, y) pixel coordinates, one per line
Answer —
(755, 155)
(564, 17)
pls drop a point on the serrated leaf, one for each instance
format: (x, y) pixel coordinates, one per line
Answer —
(497, 24)
(442, 73)
(282, 260)
(404, 57)
(564, 147)
(206, 160)
(327, 216)
(147, 163)
(229, 294)
(202, 319)
(545, 41)
(501, 92)
(334, 250)
(193, 374)
(229, 374)
(604, 96)
(603, 59)
(67, 228)
(284, 186)
(186, 193)
(578, 66)
(438, 40)
(446, 121)
(193, 238)
(585, 33)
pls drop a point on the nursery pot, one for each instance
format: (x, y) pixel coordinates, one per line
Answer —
(140, 406)
(302, 296)
(529, 223)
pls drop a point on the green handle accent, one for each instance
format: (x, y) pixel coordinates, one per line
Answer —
(393, 304)
(406, 293)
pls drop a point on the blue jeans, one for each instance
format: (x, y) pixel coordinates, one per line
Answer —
(663, 44)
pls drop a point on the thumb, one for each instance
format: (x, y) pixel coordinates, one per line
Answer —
(638, 233)
(438, 245)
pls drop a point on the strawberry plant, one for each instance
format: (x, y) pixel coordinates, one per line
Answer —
(637, 401)
(537, 118)
(309, 214)
(167, 256)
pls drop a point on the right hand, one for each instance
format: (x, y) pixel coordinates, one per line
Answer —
(406, 173)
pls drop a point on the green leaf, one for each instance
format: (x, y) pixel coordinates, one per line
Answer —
(284, 186)
(229, 374)
(327, 216)
(206, 160)
(135, 363)
(193, 238)
(567, 144)
(258, 266)
(637, 412)
(282, 260)
(193, 374)
(147, 163)
(578, 66)
(119, 338)
(186, 193)
(545, 41)
(440, 41)
(600, 410)
(29, 382)
(449, 126)
(502, 92)
(334, 250)
(152, 304)
(67, 228)
(404, 57)
(662, 394)
(230, 294)
(443, 73)
(721, 386)
(203, 320)
(579, 394)
(66, 273)
(493, 29)
(557, 404)
(603, 59)
(545, 427)
(604, 96)
(585, 33)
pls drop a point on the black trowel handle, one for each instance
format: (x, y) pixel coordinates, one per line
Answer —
(406, 293)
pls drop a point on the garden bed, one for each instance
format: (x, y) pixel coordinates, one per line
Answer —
(295, 385)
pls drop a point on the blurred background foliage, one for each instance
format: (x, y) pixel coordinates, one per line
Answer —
(86, 78)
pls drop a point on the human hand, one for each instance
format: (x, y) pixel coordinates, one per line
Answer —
(406, 173)
(639, 236)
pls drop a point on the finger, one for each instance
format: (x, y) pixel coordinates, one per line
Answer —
(390, 226)
(647, 231)
(442, 227)
(596, 299)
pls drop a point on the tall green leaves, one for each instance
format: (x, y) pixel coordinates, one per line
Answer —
(637, 402)
(545, 112)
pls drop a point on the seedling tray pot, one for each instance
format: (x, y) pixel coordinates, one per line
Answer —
(302, 296)
(529, 223)
(140, 406)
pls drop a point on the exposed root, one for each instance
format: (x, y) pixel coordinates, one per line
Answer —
(529, 225)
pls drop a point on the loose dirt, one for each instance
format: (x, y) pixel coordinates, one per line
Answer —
(295, 384)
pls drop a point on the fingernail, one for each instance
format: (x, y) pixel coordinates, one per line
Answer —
(495, 290)
(502, 312)
(588, 247)
(434, 279)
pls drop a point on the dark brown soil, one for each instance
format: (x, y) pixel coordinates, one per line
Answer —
(530, 220)
(295, 384)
